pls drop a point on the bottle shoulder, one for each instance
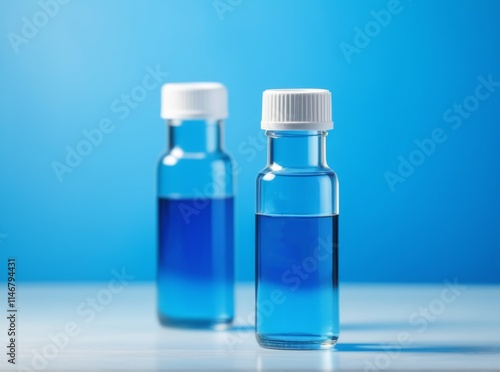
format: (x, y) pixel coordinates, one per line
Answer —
(297, 172)
(297, 192)
(192, 175)
(177, 158)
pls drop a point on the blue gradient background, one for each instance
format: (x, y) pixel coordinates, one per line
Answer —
(442, 222)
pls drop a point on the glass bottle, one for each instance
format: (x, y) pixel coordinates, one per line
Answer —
(195, 210)
(297, 225)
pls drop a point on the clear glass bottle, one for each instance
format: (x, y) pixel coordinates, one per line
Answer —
(297, 225)
(195, 210)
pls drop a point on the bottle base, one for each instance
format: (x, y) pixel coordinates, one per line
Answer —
(209, 324)
(297, 342)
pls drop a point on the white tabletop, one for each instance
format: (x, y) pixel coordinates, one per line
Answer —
(461, 330)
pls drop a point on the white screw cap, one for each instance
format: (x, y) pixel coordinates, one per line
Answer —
(185, 101)
(296, 109)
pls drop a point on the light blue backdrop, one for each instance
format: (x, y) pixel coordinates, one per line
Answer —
(396, 70)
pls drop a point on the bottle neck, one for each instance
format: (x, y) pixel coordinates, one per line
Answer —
(296, 149)
(195, 136)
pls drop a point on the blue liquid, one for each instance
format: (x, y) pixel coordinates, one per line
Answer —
(297, 282)
(195, 262)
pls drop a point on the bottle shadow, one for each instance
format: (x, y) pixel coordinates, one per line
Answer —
(417, 348)
(393, 347)
(387, 325)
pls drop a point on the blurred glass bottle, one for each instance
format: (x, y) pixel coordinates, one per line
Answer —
(297, 225)
(195, 210)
